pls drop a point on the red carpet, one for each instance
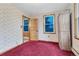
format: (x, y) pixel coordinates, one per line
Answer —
(38, 48)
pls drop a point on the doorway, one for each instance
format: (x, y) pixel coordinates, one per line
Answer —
(26, 32)
(30, 28)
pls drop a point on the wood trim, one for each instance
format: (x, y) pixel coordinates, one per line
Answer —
(54, 24)
(26, 16)
(75, 51)
(74, 20)
(71, 27)
(75, 36)
(75, 23)
(22, 26)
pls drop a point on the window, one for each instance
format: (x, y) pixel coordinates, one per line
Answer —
(25, 24)
(49, 24)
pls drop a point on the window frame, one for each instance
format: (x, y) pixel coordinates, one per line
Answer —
(52, 24)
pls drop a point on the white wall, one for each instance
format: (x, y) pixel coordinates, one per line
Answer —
(75, 42)
(42, 35)
(49, 37)
(10, 30)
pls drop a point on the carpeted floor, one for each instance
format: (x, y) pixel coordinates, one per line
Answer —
(38, 48)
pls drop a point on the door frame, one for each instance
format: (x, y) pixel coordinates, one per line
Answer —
(22, 27)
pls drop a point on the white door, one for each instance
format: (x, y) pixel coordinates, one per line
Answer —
(64, 31)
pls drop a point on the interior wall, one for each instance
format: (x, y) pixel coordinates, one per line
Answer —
(42, 35)
(75, 42)
(10, 27)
